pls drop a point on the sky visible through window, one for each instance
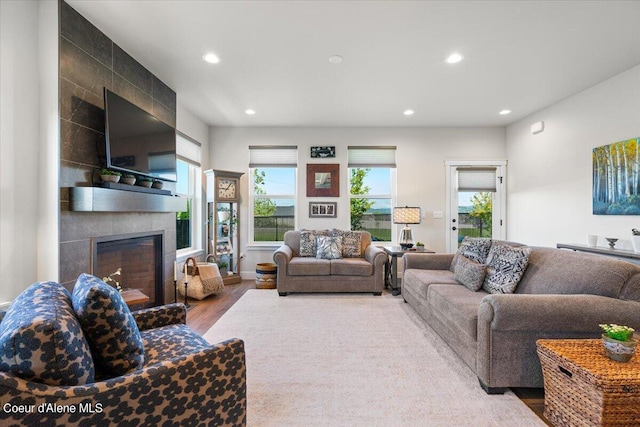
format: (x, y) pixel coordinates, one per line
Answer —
(182, 186)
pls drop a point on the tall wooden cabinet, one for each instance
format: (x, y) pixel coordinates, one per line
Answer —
(223, 213)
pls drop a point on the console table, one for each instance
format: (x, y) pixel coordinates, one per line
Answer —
(618, 253)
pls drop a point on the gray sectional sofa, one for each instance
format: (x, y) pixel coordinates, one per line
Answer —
(562, 294)
(309, 274)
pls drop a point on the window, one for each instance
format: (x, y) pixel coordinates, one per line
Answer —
(371, 188)
(273, 196)
(188, 235)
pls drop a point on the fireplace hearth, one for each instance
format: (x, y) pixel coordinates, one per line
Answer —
(138, 255)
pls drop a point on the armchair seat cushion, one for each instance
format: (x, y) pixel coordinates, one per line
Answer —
(42, 341)
(351, 267)
(168, 342)
(305, 266)
(458, 306)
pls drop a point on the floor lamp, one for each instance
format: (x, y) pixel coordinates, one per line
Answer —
(407, 215)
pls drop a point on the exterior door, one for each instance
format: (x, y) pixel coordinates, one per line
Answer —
(475, 201)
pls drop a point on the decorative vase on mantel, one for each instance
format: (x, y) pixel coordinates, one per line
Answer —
(621, 351)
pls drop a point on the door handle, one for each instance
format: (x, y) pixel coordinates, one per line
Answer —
(454, 228)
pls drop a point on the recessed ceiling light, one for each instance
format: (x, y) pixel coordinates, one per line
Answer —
(335, 59)
(211, 58)
(408, 112)
(250, 112)
(454, 58)
(505, 112)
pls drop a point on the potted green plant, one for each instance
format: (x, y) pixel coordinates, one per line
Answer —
(222, 266)
(144, 181)
(618, 342)
(157, 184)
(419, 246)
(128, 179)
(107, 175)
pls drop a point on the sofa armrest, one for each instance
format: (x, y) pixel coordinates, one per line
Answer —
(282, 256)
(164, 315)
(566, 313)
(375, 255)
(212, 381)
(427, 261)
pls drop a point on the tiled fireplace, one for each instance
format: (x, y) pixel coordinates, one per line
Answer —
(138, 255)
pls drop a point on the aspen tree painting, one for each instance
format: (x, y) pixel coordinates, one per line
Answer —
(616, 178)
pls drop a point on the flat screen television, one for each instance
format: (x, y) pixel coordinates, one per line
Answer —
(137, 142)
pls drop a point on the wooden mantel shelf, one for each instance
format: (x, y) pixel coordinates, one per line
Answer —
(618, 253)
(97, 199)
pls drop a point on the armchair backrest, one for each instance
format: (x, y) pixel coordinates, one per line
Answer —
(292, 239)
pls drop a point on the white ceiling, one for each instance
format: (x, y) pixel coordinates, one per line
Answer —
(519, 55)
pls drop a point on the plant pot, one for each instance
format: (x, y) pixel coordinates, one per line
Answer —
(157, 184)
(128, 181)
(621, 351)
(110, 178)
(145, 184)
(635, 242)
(223, 271)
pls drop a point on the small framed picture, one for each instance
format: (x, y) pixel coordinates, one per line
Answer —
(323, 152)
(322, 209)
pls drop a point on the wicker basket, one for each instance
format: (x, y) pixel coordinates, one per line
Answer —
(266, 275)
(583, 387)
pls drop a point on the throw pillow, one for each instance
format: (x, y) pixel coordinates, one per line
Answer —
(470, 273)
(475, 248)
(329, 247)
(42, 341)
(110, 328)
(351, 243)
(505, 267)
(308, 241)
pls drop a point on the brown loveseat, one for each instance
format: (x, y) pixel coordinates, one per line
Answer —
(309, 274)
(562, 294)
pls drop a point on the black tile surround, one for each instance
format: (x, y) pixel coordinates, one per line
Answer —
(90, 61)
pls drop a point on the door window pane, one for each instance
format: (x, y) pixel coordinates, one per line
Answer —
(475, 214)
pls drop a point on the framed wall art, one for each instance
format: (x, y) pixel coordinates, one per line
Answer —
(616, 178)
(323, 180)
(322, 209)
(323, 152)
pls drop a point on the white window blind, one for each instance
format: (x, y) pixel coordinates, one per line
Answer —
(476, 179)
(363, 157)
(273, 156)
(187, 149)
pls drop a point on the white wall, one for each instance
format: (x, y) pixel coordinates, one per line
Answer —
(28, 134)
(549, 181)
(421, 153)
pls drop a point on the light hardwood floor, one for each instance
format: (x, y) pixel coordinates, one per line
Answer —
(203, 314)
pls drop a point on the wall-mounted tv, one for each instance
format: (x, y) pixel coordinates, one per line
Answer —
(137, 142)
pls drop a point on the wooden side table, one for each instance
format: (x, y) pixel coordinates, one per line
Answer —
(583, 387)
(134, 297)
(391, 267)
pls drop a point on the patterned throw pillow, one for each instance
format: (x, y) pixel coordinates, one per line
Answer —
(505, 267)
(329, 247)
(470, 273)
(475, 248)
(308, 241)
(110, 328)
(351, 243)
(42, 341)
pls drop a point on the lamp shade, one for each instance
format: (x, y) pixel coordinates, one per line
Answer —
(406, 215)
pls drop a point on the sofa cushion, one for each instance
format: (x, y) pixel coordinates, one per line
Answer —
(304, 266)
(458, 307)
(112, 332)
(505, 267)
(420, 280)
(351, 267)
(328, 247)
(42, 341)
(470, 273)
(351, 243)
(308, 241)
(169, 342)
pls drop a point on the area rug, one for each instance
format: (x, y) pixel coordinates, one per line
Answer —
(355, 360)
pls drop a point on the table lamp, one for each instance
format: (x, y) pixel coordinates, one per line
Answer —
(407, 215)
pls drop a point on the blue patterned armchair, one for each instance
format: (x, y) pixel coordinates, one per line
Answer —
(51, 374)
